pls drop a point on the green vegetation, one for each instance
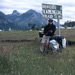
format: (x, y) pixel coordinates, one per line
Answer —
(69, 24)
(24, 58)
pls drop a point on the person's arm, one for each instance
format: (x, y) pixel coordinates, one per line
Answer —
(54, 29)
(45, 30)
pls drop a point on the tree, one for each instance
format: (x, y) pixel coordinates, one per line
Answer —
(33, 26)
(30, 25)
(69, 24)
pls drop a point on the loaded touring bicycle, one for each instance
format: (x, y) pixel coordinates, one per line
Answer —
(56, 43)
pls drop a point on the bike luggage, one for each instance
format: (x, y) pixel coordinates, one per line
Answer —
(59, 40)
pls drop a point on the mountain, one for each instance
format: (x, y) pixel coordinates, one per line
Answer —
(31, 16)
(20, 21)
(5, 22)
(15, 14)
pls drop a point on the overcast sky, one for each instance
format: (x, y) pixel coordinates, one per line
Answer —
(7, 6)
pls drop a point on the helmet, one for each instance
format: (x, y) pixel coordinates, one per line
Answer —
(50, 19)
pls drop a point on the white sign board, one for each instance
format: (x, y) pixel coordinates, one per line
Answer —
(52, 11)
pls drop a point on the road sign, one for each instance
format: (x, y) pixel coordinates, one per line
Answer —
(52, 11)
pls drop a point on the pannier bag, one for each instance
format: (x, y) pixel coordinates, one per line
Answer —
(41, 34)
(54, 45)
(64, 43)
(55, 40)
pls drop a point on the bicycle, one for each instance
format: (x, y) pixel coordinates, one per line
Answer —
(59, 42)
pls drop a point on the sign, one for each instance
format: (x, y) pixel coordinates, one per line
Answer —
(52, 11)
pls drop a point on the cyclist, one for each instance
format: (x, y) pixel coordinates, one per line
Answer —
(49, 30)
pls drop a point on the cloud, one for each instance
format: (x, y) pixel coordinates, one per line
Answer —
(7, 6)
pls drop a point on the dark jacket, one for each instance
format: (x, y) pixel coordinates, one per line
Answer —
(48, 28)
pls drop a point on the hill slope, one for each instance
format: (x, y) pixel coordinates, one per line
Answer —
(20, 21)
(6, 23)
(31, 16)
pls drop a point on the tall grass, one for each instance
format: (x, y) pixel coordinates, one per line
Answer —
(24, 58)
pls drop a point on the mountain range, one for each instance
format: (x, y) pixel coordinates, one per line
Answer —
(20, 21)
(6, 23)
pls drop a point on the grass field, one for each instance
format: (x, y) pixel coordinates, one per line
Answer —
(24, 58)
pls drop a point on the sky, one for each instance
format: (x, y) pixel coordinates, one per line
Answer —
(68, 7)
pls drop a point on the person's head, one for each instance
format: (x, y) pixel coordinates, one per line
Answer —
(50, 21)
